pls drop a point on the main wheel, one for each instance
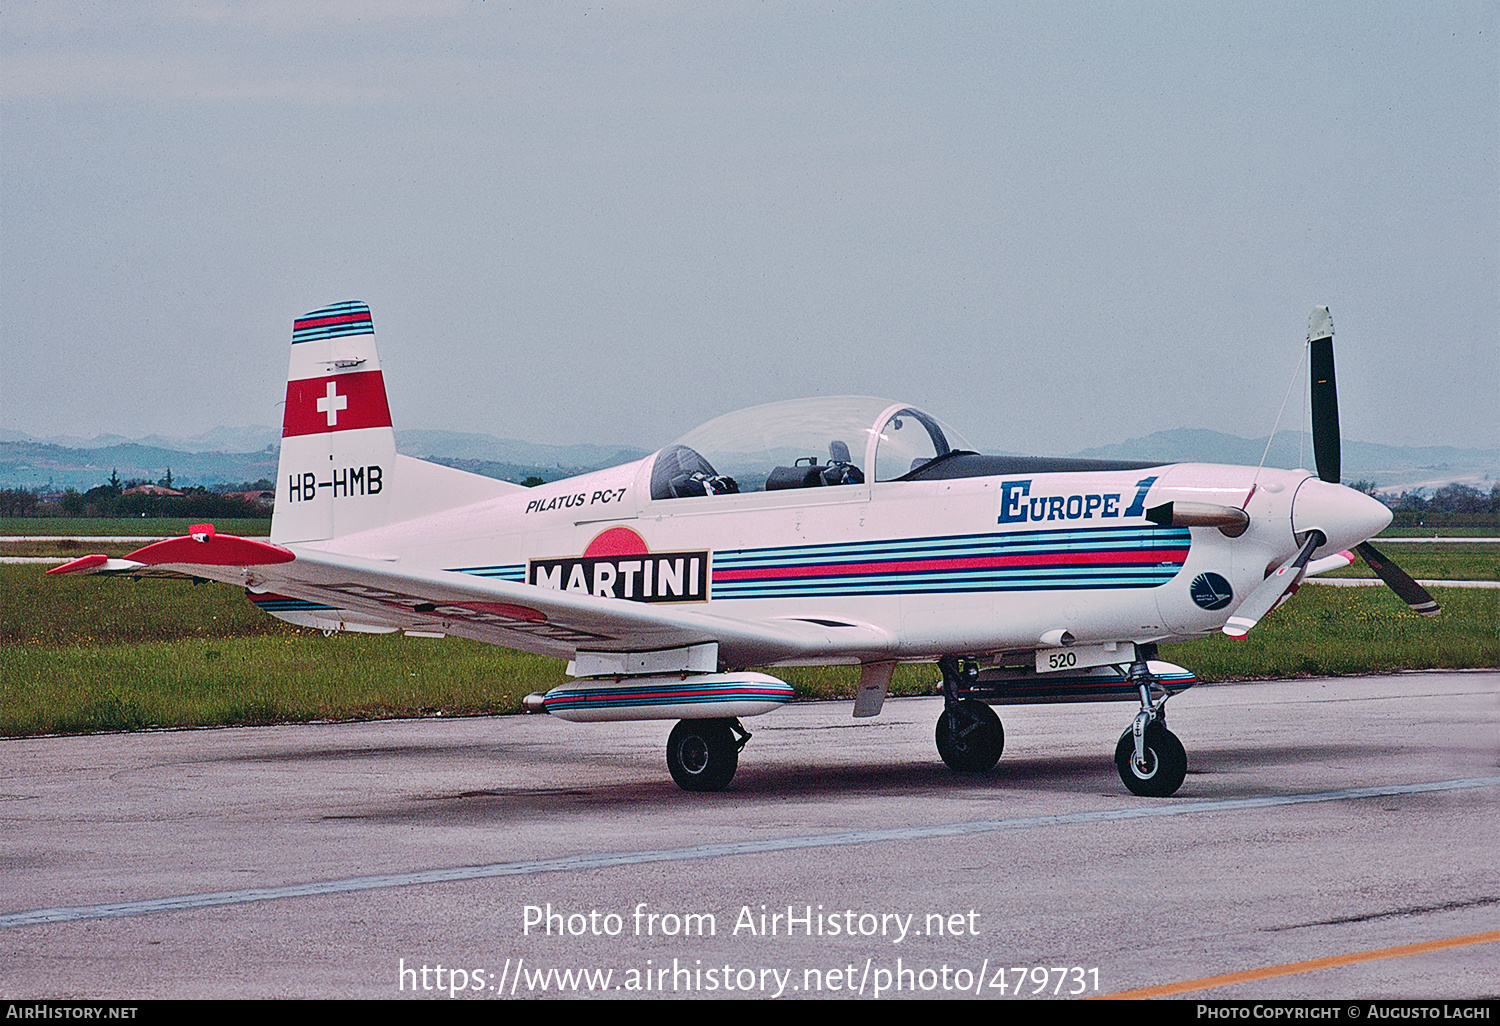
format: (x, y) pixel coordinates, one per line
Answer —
(702, 755)
(976, 744)
(1165, 766)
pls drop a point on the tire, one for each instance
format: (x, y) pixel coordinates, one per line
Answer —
(1166, 763)
(978, 742)
(702, 755)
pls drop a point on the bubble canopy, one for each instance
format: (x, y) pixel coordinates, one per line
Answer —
(802, 443)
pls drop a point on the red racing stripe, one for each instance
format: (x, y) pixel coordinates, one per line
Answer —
(1142, 557)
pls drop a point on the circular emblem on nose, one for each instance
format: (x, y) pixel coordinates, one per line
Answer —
(1211, 591)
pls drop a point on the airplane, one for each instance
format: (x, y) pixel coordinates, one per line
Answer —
(834, 530)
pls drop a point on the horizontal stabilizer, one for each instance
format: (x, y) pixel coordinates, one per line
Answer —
(212, 550)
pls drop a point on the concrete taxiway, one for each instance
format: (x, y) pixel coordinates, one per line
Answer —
(1320, 819)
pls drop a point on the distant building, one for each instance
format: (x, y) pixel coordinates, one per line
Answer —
(151, 489)
(261, 497)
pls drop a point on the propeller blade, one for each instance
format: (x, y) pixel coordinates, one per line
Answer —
(1325, 396)
(1265, 596)
(1410, 592)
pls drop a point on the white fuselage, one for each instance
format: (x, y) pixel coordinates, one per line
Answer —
(975, 564)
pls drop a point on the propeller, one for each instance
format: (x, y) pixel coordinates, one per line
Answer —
(1268, 593)
(1326, 453)
(1410, 592)
(1325, 395)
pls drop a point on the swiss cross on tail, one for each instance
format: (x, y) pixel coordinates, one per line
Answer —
(332, 403)
(345, 393)
(339, 402)
(338, 453)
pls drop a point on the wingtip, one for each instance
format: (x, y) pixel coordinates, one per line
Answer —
(80, 565)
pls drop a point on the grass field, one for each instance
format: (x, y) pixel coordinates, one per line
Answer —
(84, 654)
(1439, 532)
(1466, 562)
(63, 527)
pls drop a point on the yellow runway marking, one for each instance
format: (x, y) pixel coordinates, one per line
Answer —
(1293, 968)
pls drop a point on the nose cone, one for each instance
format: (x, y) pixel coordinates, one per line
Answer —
(1344, 516)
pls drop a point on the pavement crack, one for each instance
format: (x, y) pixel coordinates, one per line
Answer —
(1395, 913)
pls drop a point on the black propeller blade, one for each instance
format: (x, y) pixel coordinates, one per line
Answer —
(1325, 396)
(1409, 591)
(1326, 446)
(1264, 598)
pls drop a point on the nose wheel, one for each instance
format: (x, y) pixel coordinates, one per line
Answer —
(1160, 770)
(702, 755)
(1151, 761)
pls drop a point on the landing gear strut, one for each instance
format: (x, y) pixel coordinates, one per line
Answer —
(969, 735)
(703, 754)
(1151, 761)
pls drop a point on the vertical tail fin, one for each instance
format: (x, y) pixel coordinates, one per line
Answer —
(337, 447)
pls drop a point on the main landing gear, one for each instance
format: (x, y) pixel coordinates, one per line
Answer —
(1151, 761)
(969, 735)
(703, 754)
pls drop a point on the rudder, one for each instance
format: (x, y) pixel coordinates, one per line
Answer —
(338, 451)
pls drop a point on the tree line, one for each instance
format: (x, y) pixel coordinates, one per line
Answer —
(1453, 505)
(114, 498)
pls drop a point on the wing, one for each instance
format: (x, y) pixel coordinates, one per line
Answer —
(359, 593)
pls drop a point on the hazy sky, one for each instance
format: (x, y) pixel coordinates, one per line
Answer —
(1055, 225)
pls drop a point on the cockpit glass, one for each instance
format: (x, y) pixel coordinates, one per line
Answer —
(909, 439)
(804, 443)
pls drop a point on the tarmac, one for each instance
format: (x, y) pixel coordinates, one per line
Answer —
(1335, 838)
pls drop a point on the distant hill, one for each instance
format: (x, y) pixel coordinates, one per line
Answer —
(1391, 467)
(218, 440)
(453, 445)
(39, 465)
(29, 462)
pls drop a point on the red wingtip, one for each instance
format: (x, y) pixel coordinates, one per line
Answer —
(80, 564)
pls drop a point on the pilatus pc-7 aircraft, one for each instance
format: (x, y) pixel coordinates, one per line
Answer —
(824, 531)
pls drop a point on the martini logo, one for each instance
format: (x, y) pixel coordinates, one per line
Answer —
(1211, 591)
(617, 564)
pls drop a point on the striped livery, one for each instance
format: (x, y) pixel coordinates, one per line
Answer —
(700, 696)
(333, 322)
(1057, 560)
(1099, 684)
(273, 604)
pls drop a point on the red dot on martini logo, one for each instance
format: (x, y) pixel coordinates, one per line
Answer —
(617, 541)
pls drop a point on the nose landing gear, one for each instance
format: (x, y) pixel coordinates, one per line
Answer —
(1162, 767)
(1151, 761)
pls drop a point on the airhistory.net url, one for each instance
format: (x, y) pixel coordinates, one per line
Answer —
(693, 976)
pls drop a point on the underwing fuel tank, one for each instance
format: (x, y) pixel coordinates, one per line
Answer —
(703, 696)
